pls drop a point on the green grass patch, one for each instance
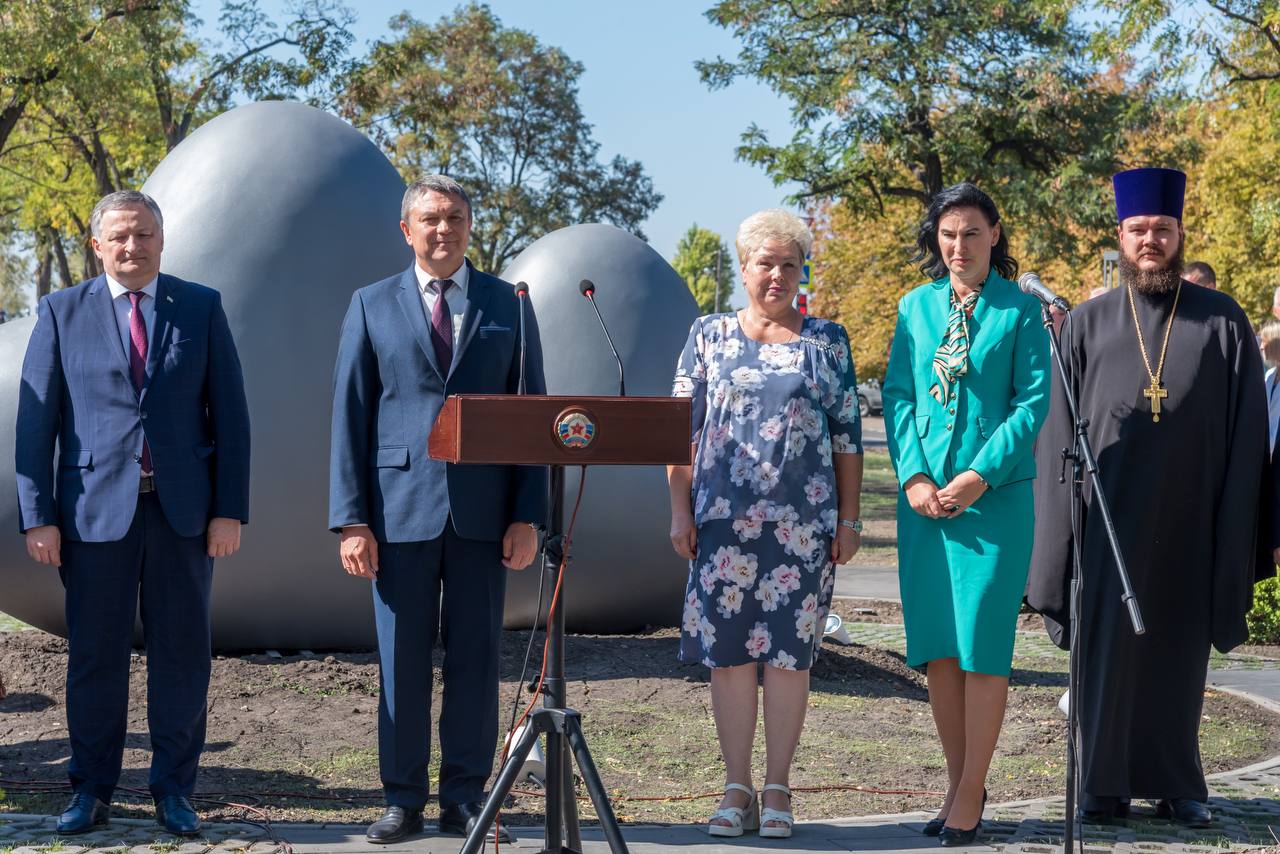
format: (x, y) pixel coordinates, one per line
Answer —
(12, 624)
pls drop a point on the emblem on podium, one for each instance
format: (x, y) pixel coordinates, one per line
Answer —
(575, 429)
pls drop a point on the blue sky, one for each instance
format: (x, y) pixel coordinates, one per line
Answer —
(642, 93)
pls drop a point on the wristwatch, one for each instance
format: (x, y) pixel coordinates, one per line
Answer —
(855, 524)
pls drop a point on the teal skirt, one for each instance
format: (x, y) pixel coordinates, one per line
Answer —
(962, 580)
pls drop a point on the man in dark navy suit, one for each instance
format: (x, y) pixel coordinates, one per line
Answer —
(133, 377)
(434, 537)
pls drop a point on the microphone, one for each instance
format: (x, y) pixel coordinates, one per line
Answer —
(588, 289)
(522, 293)
(1030, 283)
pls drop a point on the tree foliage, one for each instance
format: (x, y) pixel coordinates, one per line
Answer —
(1240, 38)
(1233, 202)
(702, 259)
(896, 99)
(93, 94)
(497, 110)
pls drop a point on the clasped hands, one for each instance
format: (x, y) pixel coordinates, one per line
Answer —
(359, 550)
(948, 502)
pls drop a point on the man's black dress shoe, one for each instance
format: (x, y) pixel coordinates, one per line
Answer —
(934, 826)
(395, 824)
(83, 814)
(954, 837)
(1185, 811)
(176, 815)
(460, 818)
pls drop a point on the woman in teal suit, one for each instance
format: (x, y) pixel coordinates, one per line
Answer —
(965, 395)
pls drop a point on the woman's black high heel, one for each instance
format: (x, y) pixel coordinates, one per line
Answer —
(935, 825)
(953, 837)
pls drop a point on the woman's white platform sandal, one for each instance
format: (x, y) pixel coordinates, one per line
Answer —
(784, 818)
(739, 818)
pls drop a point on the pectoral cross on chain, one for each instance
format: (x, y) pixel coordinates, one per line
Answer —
(1155, 394)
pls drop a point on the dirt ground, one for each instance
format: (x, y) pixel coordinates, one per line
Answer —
(298, 735)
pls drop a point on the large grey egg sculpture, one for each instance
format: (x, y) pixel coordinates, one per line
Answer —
(624, 574)
(286, 210)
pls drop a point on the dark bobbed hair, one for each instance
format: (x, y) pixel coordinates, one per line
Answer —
(964, 195)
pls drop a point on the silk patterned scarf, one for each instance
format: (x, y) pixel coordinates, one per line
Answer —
(952, 359)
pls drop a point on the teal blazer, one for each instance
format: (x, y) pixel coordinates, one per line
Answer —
(1000, 402)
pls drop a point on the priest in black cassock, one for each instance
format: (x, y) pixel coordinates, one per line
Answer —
(1170, 378)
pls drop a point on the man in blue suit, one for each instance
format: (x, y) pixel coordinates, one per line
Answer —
(133, 377)
(434, 537)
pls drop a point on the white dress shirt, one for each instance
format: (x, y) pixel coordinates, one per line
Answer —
(455, 297)
(124, 311)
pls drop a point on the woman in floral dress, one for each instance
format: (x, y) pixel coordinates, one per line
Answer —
(766, 511)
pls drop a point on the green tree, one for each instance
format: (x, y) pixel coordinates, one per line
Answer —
(15, 278)
(900, 98)
(105, 90)
(1241, 38)
(702, 259)
(498, 111)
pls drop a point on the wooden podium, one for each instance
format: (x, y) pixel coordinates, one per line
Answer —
(562, 431)
(558, 432)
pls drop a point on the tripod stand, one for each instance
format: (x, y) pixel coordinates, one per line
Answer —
(563, 726)
(1081, 459)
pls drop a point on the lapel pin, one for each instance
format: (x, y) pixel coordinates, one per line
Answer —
(168, 298)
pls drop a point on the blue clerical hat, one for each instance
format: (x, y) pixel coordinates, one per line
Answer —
(1149, 192)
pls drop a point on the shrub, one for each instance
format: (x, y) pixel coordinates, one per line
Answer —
(1264, 617)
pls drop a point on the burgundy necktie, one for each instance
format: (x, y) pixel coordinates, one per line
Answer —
(442, 326)
(138, 361)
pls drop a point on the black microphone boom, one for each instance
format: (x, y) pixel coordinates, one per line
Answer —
(588, 289)
(1030, 283)
(522, 294)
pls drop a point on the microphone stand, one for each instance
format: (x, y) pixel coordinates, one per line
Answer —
(522, 294)
(1081, 459)
(622, 383)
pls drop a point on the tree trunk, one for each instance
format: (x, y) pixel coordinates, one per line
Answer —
(44, 270)
(60, 254)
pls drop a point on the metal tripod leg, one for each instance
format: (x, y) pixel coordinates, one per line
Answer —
(591, 777)
(572, 831)
(501, 788)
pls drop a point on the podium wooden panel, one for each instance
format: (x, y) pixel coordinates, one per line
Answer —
(525, 429)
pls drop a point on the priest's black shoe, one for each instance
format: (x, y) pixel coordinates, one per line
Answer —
(395, 824)
(460, 818)
(1185, 811)
(176, 815)
(954, 837)
(83, 814)
(1096, 810)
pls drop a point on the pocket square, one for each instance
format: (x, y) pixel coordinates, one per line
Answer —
(493, 328)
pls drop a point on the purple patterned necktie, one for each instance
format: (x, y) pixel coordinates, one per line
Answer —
(138, 361)
(442, 326)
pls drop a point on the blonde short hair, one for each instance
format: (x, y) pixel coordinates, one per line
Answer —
(772, 224)
(1269, 337)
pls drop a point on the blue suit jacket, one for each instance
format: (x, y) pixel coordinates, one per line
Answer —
(77, 392)
(387, 391)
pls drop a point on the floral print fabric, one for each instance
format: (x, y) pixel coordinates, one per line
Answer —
(766, 420)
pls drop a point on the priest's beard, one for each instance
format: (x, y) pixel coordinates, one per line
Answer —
(1161, 281)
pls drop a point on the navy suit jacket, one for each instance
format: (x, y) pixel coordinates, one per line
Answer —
(77, 392)
(387, 391)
